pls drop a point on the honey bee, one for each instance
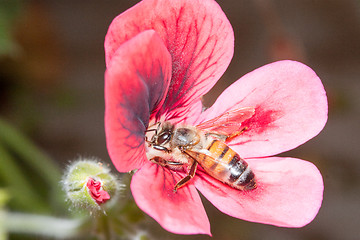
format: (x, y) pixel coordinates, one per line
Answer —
(179, 146)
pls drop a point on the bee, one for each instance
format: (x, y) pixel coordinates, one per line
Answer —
(178, 146)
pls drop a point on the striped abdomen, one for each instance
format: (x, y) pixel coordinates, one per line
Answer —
(224, 164)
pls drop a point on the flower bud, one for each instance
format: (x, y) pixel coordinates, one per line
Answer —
(89, 184)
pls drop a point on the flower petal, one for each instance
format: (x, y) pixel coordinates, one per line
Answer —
(290, 108)
(289, 193)
(181, 212)
(193, 113)
(198, 36)
(136, 82)
(96, 192)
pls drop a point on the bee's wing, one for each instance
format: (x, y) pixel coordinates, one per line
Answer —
(228, 122)
(209, 163)
(205, 160)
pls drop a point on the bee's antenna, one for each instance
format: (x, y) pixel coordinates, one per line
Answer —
(149, 142)
(150, 130)
(159, 123)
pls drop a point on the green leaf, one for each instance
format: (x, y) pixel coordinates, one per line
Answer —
(12, 141)
(21, 192)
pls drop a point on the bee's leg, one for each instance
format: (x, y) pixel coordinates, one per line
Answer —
(159, 160)
(187, 178)
(164, 163)
(235, 134)
(161, 148)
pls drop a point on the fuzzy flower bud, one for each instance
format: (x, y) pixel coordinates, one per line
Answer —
(89, 184)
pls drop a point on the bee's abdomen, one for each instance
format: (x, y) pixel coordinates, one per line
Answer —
(240, 173)
(229, 167)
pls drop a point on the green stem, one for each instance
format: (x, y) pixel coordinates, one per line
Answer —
(19, 188)
(46, 226)
(3, 233)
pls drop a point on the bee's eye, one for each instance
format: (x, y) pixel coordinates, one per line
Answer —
(163, 138)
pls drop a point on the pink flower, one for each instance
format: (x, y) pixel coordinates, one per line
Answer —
(96, 191)
(161, 57)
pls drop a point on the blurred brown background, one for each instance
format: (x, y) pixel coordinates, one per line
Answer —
(51, 88)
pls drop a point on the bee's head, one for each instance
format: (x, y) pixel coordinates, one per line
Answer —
(164, 136)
